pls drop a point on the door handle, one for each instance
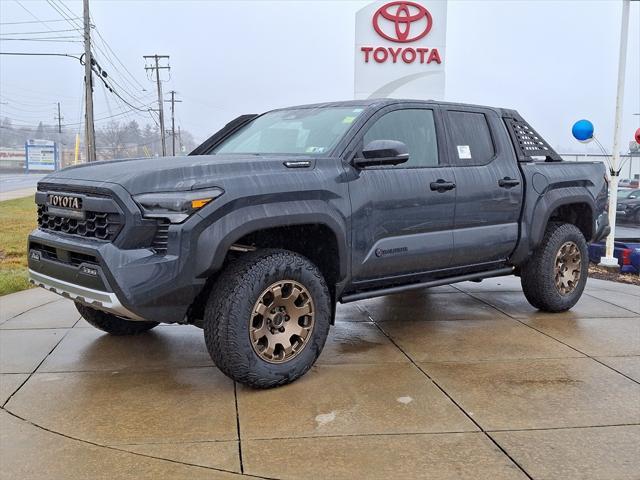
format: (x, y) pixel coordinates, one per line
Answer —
(508, 182)
(441, 186)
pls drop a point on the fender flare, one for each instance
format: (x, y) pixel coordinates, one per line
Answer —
(535, 219)
(214, 241)
(553, 200)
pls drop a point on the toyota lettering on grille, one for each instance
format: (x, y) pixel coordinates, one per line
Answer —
(65, 201)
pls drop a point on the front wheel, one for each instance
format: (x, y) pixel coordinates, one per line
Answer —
(554, 278)
(267, 318)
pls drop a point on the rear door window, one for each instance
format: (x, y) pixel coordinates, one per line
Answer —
(471, 141)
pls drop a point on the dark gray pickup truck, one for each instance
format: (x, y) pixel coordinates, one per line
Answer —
(261, 230)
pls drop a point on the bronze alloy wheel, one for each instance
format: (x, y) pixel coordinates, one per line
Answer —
(567, 268)
(282, 321)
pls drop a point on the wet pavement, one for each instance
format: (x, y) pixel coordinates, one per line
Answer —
(464, 382)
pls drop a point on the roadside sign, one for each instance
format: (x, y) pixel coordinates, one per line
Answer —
(41, 155)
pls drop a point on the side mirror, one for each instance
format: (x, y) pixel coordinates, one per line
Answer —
(382, 152)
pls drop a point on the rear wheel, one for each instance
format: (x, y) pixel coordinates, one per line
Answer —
(267, 318)
(110, 323)
(554, 278)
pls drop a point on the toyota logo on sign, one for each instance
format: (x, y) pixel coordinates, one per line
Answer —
(402, 22)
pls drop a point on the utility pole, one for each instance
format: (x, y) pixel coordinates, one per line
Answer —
(89, 128)
(609, 261)
(157, 67)
(59, 118)
(173, 102)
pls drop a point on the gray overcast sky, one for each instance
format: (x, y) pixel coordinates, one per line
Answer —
(554, 61)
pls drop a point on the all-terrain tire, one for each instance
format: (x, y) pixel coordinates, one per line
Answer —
(230, 311)
(538, 275)
(107, 322)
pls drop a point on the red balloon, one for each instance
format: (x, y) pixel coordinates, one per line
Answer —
(638, 135)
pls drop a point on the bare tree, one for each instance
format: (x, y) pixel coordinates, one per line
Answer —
(112, 136)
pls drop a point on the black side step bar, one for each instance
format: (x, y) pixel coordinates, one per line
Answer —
(353, 297)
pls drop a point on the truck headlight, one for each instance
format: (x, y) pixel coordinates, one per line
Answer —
(176, 206)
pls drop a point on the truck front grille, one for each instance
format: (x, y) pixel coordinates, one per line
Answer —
(99, 225)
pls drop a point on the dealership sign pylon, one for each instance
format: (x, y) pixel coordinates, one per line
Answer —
(400, 50)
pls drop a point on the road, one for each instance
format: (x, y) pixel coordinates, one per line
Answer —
(18, 185)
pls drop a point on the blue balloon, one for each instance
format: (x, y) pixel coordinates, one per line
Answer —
(582, 130)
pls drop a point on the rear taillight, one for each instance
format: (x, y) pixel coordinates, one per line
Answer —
(626, 256)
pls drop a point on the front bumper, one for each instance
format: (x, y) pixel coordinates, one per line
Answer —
(127, 275)
(106, 301)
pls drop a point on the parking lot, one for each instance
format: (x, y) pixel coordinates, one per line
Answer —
(464, 382)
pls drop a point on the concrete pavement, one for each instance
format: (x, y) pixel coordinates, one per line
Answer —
(464, 382)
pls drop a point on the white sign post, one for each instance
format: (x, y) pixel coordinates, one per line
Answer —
(400, 50)
(609, 261)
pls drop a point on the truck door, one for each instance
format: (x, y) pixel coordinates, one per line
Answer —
(489, 186)
(402, 216)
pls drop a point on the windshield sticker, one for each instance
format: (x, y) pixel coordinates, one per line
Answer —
(356, 110)
(348, 119)
(464, 152)
(315, 150)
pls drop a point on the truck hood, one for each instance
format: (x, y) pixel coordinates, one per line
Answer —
(166, 174)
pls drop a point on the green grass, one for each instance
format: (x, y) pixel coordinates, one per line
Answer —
(18, 219)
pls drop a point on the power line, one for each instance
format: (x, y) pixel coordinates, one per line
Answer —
(60, 9)
(22, 111)
(32, 21)
(66, 124)
(118, 59)
(70, 20)
(112, 90)
(32, 15)
(132, 106)
(42, 39)
(41, 32)
(113, 80)
(27, 54)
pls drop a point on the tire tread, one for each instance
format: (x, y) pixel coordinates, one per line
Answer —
(538, 282)
(226, 301)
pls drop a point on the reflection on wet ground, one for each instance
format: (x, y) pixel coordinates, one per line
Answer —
(459, 382)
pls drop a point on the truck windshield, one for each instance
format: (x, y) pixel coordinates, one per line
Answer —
(311, 131)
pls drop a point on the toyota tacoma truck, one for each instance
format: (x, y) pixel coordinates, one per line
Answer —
(259, 232)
